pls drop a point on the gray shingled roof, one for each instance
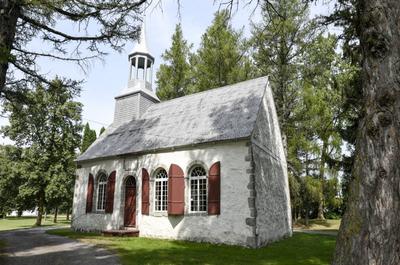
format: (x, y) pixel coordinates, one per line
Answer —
(225, 113)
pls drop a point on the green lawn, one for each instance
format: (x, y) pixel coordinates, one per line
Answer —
(301, 249)
(11, 223)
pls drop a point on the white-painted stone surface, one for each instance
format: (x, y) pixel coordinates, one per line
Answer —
(229, 227)
(272, 201)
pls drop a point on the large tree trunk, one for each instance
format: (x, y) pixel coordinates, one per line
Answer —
(9, 13)
(55, 215)
(41, 200)
(369, 234)
(322, 178)
(67, 214)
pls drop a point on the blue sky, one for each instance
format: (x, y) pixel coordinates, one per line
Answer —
(105, 79)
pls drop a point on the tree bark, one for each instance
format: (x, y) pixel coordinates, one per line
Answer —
(369, 234)
(55, 215)
(9, 13)
(322, 178)
(41, 200)
(67, 214)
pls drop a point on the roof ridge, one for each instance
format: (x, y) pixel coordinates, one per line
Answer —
(207, 91)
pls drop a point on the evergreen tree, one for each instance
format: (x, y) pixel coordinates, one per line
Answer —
(307, 77)
(369, 230)
(89, 136)
(49, 125)
(323, 76)
(279, 42)
(222, 57)
(111, 23)
(173, 77)
(102, 130)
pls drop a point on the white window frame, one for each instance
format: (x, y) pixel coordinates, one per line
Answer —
(197, 179)
(101, 198)
(163, 182)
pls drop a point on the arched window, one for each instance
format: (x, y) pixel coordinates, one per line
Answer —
(101, 192)
(161, 190)
(198, 189)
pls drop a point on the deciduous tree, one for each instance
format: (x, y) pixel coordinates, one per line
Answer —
(49, 125)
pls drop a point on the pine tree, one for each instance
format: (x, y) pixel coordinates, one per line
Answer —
(89, 136)
(280, 41)
(173, 76)
(222, 57)
(111, 24)
(369, 232)
(102, 130)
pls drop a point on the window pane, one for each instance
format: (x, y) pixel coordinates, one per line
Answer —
(161, 190)
(198, 189)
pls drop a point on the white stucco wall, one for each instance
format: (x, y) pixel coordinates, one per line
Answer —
(272, 201)
(229, 227)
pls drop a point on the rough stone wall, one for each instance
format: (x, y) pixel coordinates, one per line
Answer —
(271, 187)
(230, 227)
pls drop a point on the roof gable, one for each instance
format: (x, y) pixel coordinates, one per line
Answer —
(225, 113)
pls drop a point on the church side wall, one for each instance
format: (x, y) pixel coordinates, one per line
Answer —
(271, 187)
(230, 227)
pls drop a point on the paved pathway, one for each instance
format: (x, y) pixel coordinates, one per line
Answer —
(35, 247)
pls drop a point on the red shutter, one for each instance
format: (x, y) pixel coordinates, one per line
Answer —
(89, 194)
(110, 193)
(176, 191)
(214, 189)
(145, 191)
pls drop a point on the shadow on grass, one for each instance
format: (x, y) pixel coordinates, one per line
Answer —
(301, 249)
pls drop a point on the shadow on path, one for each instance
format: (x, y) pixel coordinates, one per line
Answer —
(34, 246)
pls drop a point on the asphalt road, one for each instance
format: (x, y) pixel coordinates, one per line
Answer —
(35, 247)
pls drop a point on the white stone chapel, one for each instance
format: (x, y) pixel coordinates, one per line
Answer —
(206, 167)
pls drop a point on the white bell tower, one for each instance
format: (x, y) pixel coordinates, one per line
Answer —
(134, 100)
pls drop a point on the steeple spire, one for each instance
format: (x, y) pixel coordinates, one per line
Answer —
(141, 46)
(138, 95)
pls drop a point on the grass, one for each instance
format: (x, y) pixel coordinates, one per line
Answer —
(301, 249)
(11, 223)
(319, 225)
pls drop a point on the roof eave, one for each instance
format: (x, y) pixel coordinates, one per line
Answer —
(157, 150)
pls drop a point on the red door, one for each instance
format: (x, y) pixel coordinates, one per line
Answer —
(130, 202)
